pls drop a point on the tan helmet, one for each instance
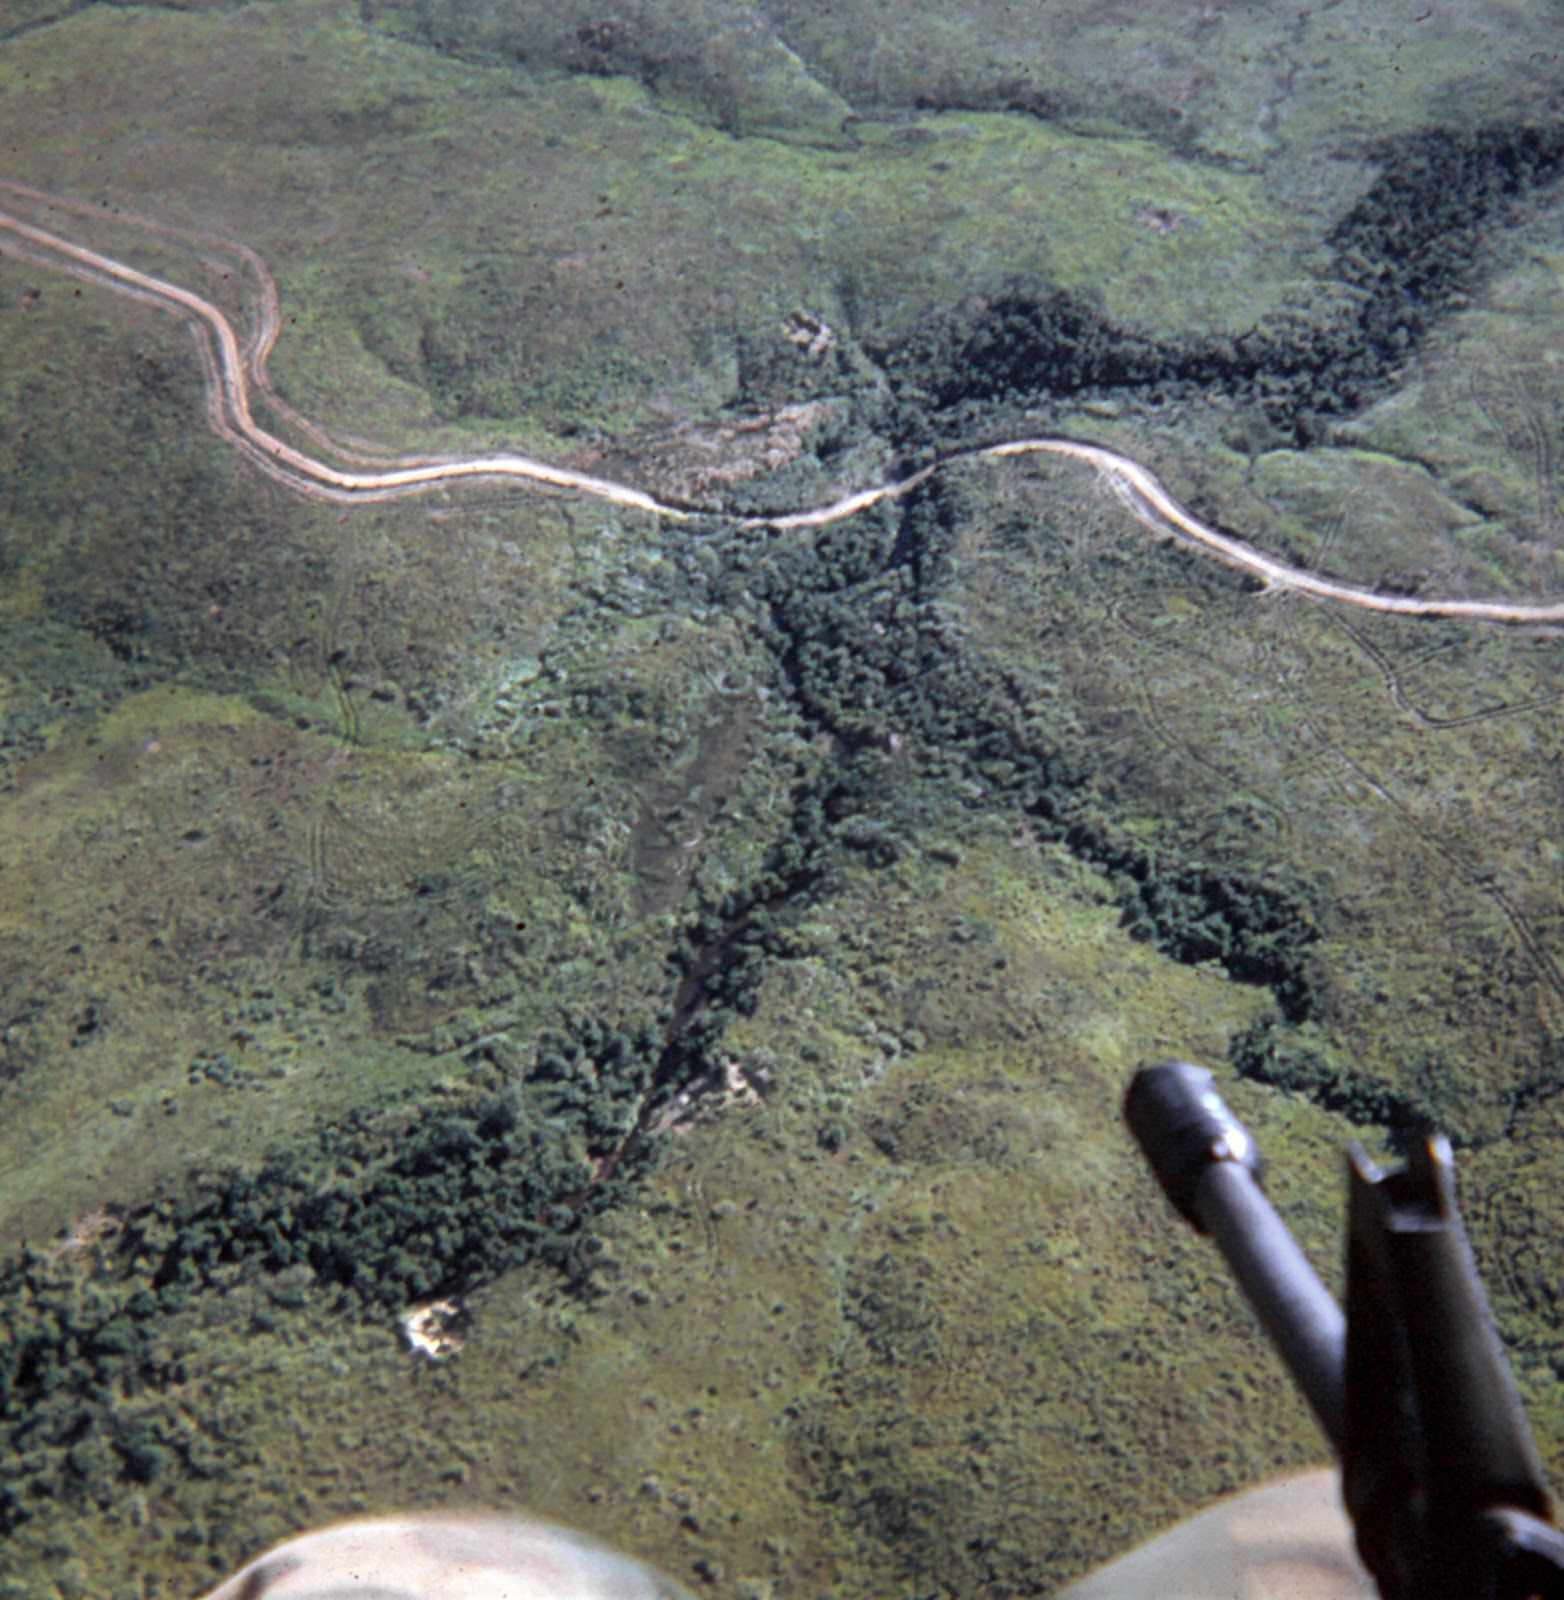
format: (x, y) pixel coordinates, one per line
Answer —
(1288, 1540)
(446, 1557)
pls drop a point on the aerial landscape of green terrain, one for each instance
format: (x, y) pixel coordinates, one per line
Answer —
(711, 952)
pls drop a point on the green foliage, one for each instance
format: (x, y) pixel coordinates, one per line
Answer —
(869, 655)
(1303, 1062)
(1028, 338)
(384, 1208)
(1408, 249)
(1412, 241)
(71, 1349)
(1259, 932)
(478, 355)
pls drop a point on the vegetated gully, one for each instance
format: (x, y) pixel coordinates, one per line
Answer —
(1409, 249)
(865, 658)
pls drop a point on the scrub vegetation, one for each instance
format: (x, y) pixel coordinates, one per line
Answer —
(428, 874)
(391, 1207)
(1405, 253)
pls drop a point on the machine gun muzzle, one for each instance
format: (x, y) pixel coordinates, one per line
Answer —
(1439, 1472)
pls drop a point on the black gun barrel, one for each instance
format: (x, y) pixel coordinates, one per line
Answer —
(1210, 1169)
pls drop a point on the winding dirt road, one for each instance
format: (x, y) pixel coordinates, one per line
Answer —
(236, 371)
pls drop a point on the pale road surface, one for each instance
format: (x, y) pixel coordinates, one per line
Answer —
(233, 372)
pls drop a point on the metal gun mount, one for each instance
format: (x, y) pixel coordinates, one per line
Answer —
(1439, 1473)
